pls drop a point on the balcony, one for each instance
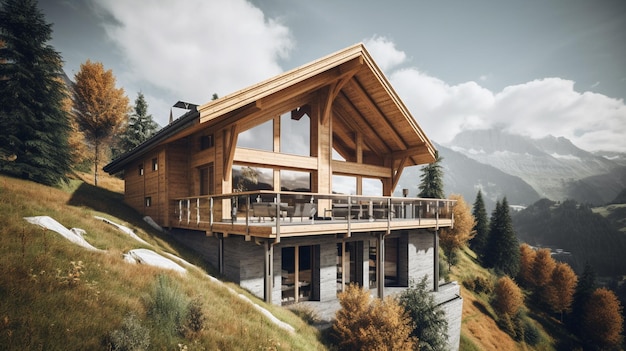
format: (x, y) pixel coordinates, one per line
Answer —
(270, 214)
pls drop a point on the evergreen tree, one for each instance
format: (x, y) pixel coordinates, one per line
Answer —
(430, 323)
(584, 288)
(481, 228)
(139, 128)
(502, 252)
(33, 126)
(431, 185)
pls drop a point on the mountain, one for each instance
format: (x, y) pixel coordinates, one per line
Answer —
(465, 176)
(553, 166)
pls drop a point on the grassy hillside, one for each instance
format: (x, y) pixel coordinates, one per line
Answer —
(480, 330)
(55, 295)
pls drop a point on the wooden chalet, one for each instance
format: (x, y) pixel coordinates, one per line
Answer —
(250, 180)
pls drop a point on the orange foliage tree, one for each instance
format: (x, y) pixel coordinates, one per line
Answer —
(542, 270)
(527, 259)
(602, 319)
(508, 297)
(559, 294)
(99, 107)
(452, 239)
(364, 323)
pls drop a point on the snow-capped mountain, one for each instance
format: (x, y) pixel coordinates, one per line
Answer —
(553, 166)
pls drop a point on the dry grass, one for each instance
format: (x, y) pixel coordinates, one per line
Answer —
(41, 308)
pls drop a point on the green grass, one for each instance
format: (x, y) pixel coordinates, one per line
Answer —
(55, 295)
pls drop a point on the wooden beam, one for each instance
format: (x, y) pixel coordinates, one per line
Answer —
(370, 106)
(413, 151)
(397, 173)
(353, 168)
(262, 158)
(230, 144)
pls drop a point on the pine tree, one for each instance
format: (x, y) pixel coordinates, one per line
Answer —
(33, 126)
(99, 107)
(430, 323)
(502, 252)
(527, 260)
(481, 228)
(431, 185)
(139, 128)
(584, 288)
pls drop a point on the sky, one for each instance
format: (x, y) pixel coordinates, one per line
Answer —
(534, 67)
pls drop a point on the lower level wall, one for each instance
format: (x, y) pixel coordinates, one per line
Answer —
(449, 299)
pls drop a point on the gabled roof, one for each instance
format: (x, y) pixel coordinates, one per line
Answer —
(356, 95)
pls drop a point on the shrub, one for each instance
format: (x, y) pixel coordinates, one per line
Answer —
(167, 308)
(532, 336)
(194, 321)
(479, 285)
(364, 323)
(132, 336)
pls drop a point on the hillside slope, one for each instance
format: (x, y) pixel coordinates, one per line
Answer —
(56, 295)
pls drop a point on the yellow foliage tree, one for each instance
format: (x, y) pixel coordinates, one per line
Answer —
(364, 323)
(452, 239)
(100, 108)
(508, 297)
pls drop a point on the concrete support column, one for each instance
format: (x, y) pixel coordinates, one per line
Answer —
(380, 264)
(436, 263)
(269, 276)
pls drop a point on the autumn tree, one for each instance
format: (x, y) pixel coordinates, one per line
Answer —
(527, 259)
(559, 294)
(430, 326)
(452, 239)
(508, 297)
(365, 323)
(33, 126)
(602, 321)
(541, 270)
(99, 107)
(138, 128)
(481, 226)
(431, 180)
(502, 251)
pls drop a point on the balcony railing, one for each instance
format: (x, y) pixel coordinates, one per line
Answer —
(271, 208)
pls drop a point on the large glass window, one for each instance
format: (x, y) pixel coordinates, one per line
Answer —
(299, 273)
(247, 178)
(372, 187)
(295, 181)
(295, 134)
(260, 137)
(344, 185)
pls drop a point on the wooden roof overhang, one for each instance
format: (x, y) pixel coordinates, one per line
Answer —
(354, 93)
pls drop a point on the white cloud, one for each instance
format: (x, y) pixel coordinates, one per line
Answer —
(537, 108)
(384, 52)
(195, 48)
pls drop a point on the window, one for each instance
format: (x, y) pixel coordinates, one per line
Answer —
(148, 201)
(206, 141)
(207, 180)
(140, 169)
(155, 164)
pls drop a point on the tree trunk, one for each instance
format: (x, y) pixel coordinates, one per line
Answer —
(95, 171)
